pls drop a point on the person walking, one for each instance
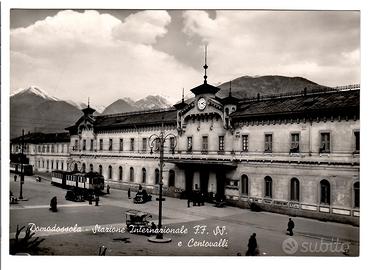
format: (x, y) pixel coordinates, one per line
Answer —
(252, 246)
(189, 201)
(15, 178)
(129, 193)
(290, 227)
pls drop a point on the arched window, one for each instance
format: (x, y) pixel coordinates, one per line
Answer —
(131, 174)
(294, 189)
(325, 192)
(171, 178)
(120, 174)
(100, 169)
(75, 168)
(83, 167)
(143, 175)
(156, 176)
(91, 168)
(268, 187)
(244, 183)
(110, 172)
(356, 189)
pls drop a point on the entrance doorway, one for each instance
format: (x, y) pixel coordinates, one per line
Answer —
(188, 180)
(204, 177)
(220, 189)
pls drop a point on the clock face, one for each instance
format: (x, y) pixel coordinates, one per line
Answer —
(201, 103)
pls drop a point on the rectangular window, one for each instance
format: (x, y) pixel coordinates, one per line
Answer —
(205, 144)
(357, 141)
(132, 144)
(52, 164)
(189, 147)
(52, 148)
(325, 142)
(110, 144)
(121, 144)
(145, 144)
(91, 145)
(245, 143)
(221, 143)
(62, 165)
(172, 144)
(62, 148)
(294, 144)
(101, 144)
(268, 143)
(84, 145)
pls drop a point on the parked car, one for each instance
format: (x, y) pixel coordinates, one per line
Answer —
(142, 197)
(74, 196)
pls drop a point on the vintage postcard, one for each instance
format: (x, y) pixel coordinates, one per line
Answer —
(187, 132)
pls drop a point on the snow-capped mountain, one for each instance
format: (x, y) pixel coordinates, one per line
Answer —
(128, 105)
(35, 91)
(152, 102)
(33, 110)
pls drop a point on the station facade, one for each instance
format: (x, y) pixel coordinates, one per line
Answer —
(296, 153)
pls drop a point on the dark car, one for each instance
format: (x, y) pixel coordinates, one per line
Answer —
(74, 196)
(142, 197)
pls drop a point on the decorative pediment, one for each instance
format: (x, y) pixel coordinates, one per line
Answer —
(87, 124)
(209, 109)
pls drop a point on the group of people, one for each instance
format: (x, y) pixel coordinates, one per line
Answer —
(252, 242)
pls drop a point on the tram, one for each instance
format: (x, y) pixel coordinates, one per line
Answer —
(89, 181)
(16, 168)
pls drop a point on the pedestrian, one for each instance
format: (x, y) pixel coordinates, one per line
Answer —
(252, 246)
(290, 227)
(129, 193)
(108, 188)
(53, 204)
(153, 226)
(189, 201)
(15, 178)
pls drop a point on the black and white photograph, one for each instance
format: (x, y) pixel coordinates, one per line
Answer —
(183, 132)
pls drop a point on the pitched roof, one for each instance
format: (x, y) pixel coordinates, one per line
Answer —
(39, 137)
(205, 88)
(307, 104)
(136, 119)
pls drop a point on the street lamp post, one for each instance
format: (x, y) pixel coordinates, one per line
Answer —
(22, 169)
(157, 142)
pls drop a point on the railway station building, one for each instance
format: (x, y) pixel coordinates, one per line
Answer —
(297, 153)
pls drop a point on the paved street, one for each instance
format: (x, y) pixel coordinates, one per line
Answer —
(312, 237)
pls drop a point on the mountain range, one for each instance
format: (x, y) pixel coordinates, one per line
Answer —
(128, 105)
(247, 86)
(33, 110)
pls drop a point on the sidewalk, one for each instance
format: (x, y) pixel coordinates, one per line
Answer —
(176, 211)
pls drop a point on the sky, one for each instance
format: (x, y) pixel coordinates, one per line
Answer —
(111, 54)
